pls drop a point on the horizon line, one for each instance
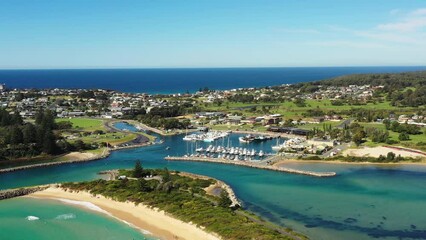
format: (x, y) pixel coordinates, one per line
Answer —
(177, 68)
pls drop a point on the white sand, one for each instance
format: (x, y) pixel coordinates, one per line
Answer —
(377, 151)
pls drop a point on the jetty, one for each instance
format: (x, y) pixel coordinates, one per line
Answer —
(18, 192)
(251, 164)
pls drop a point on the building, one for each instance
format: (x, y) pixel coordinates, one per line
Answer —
(289, 130)
(2, 87)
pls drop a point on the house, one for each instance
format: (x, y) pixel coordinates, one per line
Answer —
(272, 119)
(75, 114)
(234, 120)
(318, 119)
(289, 130)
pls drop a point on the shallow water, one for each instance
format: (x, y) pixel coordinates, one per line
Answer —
(361, 202)
(50, 219)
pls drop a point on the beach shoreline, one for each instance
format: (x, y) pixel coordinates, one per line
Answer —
(142, 217)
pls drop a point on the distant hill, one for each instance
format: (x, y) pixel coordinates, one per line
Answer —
(407, 89)
(393, 80)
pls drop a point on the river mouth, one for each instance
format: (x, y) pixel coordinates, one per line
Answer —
(361, 202)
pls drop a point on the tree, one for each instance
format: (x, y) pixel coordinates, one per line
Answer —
(39, 116)
(16, 119)
(138, 170)
(29, 133)
(357, 138)
(16, 136)
(390, 156)
(224, 200)
(144, 185)
(403, 136)
(166, 175)
(49, 145)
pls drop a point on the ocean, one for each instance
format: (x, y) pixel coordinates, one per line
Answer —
(40, 219)
(361, 202)
(167, 81)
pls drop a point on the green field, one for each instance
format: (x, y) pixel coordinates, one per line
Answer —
(84, 124)
(90, 125)
(111, 138)
(290, 110)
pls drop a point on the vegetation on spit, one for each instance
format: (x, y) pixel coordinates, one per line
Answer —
(184, 198)
(389, 158)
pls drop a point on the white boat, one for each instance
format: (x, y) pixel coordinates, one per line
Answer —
(246, 139)
(278, 147)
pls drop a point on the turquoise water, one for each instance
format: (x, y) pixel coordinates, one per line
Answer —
(58, 221)
(362, 202)
(126, 126)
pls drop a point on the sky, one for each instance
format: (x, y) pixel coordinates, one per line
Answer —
(211, 33)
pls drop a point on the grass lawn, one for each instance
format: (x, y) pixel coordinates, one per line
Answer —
(84, 124)
(111, 138)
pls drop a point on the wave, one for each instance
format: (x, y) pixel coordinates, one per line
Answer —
(65, 216)
(32, 218)
(87, 205)
(91, 206)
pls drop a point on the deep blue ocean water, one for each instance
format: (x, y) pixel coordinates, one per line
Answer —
(178, 80)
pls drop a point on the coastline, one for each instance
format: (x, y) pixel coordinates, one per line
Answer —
(159, 223)
(81, 157)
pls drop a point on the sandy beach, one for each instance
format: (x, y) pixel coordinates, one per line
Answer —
(377, 151)
(78, 156)
(144, 218)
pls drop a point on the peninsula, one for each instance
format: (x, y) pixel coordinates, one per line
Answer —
(170, 205)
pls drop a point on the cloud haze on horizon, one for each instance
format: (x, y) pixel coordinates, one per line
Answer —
(221, 33)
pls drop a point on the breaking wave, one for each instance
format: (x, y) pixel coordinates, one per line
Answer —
(65, 216)
(32, 218)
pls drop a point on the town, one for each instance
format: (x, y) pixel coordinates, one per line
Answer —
(321, 121)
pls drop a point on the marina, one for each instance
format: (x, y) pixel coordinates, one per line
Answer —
(206, 137)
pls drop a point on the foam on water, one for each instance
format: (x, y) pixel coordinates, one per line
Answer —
(66, 216)
(32, 218)
(87, 205)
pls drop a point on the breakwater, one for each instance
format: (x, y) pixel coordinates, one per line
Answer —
(92, 158)
(253, 165)
(12, 193)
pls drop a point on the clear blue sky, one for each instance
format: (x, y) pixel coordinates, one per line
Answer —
(211, 33)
